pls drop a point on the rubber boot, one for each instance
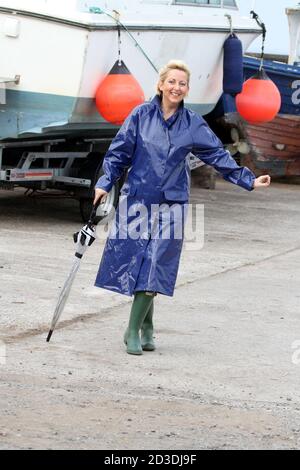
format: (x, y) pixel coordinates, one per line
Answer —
(147, 330)
(139, 310)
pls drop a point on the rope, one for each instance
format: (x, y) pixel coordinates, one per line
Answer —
(120, 24)
(230, 22)
(119, 45)
(264, 33)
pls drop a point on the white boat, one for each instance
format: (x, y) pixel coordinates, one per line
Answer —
(293, 15)
(54, 54)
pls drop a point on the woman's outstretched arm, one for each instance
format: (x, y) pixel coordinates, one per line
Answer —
(208, 148)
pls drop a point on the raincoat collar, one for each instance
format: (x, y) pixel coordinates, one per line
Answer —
(156, 101)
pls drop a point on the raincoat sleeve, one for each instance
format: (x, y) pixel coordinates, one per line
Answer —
(119, 155)
(208, 148)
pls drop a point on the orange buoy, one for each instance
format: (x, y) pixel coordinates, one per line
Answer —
(118, 94)
(259, 100)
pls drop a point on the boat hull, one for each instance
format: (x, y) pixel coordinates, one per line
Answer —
(62, 63)
(286, 78)
(274, 146)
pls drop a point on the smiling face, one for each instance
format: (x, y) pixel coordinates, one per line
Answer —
(174, 88)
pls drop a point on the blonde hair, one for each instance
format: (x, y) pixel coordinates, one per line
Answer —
(172, 65)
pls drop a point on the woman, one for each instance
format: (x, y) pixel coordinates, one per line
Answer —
(153, 144)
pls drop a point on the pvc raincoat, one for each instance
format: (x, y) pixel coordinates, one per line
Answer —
(155, 152)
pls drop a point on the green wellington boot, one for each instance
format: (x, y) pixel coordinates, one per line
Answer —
(147, 330)
(139, 310)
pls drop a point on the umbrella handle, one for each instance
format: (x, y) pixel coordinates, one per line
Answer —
(93, 213)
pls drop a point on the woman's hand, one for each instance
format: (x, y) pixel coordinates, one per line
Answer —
(100, 195)
(262, 182)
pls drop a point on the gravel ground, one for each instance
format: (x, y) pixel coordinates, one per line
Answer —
(225, 374)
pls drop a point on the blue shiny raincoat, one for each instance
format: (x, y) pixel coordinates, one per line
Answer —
(155, 153)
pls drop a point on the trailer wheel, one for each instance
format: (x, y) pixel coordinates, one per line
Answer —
(104, 210)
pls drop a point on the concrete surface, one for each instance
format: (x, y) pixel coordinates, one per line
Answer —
(226, 371)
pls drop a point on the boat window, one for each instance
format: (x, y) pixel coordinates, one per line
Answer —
(229, 3)
(199, 2)
(220, 3)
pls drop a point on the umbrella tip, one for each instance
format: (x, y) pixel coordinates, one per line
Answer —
(49, 335)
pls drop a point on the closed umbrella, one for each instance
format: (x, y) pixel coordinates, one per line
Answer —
(83, 240)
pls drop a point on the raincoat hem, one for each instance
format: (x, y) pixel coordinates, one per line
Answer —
(118, 291)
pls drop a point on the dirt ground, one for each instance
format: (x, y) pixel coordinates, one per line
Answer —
(226, 371)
